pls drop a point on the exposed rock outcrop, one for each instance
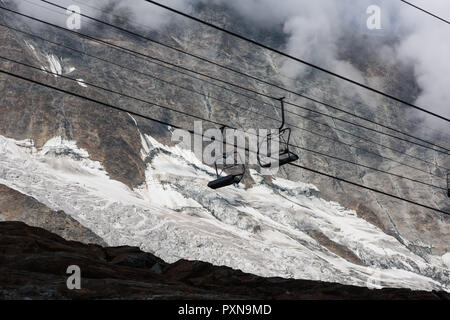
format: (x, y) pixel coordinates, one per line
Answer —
(15, 206)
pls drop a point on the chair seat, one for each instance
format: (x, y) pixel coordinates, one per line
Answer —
(291, 158)
(224, 181)
(285, 160)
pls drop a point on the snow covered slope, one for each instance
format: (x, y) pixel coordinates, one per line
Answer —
(275, 228)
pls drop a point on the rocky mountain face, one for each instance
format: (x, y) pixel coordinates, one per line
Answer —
(121, 176)
(128, 273)
(15, 206)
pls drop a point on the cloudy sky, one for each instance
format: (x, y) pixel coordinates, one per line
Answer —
(313, 29)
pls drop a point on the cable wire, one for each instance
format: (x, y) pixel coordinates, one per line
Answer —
(222, 101)
(252, 77)
(293, 58)
(235, 85)
(425, 11)
(217, 123)
(189, 70)
(280, 74)
(178, 127)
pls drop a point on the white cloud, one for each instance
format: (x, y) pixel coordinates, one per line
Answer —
(427, 47)
(315, 30)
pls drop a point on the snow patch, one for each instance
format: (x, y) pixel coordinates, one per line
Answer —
(291, 185)
(145, 150)
(54, 64)
(58, 145)
(81, 83)
(446, 260)
(177, 150)
(29, 45)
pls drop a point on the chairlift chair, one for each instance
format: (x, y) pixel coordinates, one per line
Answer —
(236, 171)
(285, 155)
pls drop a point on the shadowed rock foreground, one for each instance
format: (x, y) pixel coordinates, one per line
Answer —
(33, 264)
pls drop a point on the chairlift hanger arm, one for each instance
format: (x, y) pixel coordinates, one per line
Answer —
(448, 184)
(285, 156)
(282, 112)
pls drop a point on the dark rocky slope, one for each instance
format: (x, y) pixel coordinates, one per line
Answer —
(15, 206)
(33, 264)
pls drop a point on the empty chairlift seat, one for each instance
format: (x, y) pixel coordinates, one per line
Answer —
(285, 156)
(235, 171)
(225, 181)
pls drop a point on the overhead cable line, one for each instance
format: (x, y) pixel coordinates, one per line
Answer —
(138, 54)
(425, 11)
(162, 61)
(217, 123)
(222, 101)
(135, 23)
(234, 85)
(365, 187)
(279, 74)
(292, 58)
(247, 75)
(192, 132)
